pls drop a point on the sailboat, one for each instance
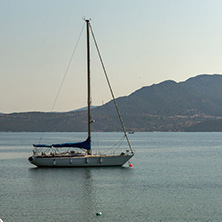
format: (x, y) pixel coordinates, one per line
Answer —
(50, 155)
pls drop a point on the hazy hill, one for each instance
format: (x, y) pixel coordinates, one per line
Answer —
(167, 106)
(199, 95)
(209, 87)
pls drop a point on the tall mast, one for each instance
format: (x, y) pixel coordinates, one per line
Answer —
(88, 80)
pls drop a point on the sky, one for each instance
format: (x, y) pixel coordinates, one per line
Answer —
(142, 43)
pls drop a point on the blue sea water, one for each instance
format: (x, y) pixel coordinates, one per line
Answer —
(176, 177)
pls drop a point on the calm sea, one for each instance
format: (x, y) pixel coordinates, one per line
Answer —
(175, 177)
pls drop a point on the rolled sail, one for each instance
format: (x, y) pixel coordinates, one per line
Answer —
(84, 145)
(42, 145)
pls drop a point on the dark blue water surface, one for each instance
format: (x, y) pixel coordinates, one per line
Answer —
(175, 177)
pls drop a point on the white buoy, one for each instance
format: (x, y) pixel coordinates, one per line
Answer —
(1, 220)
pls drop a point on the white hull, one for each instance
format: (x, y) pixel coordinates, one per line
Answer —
(83, 161)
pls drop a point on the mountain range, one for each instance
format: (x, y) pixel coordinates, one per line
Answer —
(192, 105)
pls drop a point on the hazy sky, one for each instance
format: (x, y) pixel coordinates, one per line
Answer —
(142, 42)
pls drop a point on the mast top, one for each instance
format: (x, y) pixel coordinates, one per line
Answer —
(86, 20)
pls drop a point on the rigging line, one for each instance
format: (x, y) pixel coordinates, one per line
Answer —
(107, 79)
(67, 69)
(116, 145)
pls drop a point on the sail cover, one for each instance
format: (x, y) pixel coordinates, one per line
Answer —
(42, 145)
(85, 144)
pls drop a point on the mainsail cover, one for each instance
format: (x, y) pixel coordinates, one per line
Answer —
(42, 145)
(85, 144)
